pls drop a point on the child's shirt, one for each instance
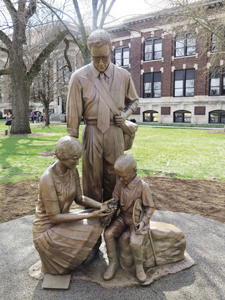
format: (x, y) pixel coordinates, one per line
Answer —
(126, 195)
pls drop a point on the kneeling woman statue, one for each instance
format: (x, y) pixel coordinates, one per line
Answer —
(63, 239)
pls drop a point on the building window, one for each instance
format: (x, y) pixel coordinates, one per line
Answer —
(217, 40)
(63, 74)
(152, 85)
(153, 49)
(63, 104)
(185, 45)
(150, 116)
(184, 82)
(182, 116)
(217, 116)
(121, 56)
(217, 82)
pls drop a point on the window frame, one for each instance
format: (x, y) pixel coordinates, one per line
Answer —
(153, 75)
(184, 86)
(62, 71)
(151, 112)
(221, 72)
(214, 44)
(220, 112)
(122, 50)
(182, 112)
(153, 42)
(185, 47)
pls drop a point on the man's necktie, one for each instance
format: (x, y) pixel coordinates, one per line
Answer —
(103, 121)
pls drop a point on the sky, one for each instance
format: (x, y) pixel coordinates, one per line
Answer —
(123, 8)
(128, 8)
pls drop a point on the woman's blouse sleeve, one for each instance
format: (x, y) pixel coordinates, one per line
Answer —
(78, 187)
(49, 195)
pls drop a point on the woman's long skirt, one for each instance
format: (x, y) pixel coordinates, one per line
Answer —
(64, 247)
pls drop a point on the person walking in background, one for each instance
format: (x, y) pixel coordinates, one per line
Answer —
(37, 117)
(32, 115)
(8, 120)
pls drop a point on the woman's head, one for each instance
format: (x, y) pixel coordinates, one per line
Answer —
(68, 147)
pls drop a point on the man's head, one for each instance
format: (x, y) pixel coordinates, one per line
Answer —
(99, 44)
(126, 168)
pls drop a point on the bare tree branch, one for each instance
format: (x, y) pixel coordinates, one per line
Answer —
(10, 8)
(96, 11)
(4, 50)
(36, 67)
(21, 5)
(31, 9)
(4, 71)
(65, 54)
(5, 39)
(7, 51)
(110, 7)
(105, 13)
(69, 31)
(80, 20)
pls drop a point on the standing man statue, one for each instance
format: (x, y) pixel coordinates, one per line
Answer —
(103, 140)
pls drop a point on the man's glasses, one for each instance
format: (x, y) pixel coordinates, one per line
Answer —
(98, 58)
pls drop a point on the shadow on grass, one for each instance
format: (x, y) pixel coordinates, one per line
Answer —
(21, 148)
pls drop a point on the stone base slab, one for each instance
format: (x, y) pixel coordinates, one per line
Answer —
(122, 278)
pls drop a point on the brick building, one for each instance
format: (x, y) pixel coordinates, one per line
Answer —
(170, 71)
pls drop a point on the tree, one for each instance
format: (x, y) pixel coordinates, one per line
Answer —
(52, 81)
(21, 76)
(13, 44)
(99, 11)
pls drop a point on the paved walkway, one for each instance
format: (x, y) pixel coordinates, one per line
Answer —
(205, 281)
(157, 126)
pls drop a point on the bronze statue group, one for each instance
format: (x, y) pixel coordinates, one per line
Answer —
(116, 200)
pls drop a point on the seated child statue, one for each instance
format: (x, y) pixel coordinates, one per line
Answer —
(128, 189)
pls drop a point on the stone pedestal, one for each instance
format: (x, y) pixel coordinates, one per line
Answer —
(168, 241)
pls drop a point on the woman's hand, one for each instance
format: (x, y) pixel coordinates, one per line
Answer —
(100, 213)
(105, 205)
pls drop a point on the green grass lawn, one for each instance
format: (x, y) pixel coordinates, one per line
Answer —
(20, 157)
(184, 153)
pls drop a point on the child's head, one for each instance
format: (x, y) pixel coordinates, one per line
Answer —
(126, 168)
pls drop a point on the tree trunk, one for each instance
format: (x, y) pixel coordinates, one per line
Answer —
(86, 56)
(20, 109)
(20, 88)
(47, 120)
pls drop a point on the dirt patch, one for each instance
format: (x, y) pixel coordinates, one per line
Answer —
(49, 153)
(200, 197)
(221, 131)
(29, 135)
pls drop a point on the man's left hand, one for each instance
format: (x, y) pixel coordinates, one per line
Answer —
(120, 119)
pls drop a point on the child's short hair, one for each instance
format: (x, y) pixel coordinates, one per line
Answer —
(125, 162)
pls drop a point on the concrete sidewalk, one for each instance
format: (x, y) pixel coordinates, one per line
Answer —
(205, 281)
